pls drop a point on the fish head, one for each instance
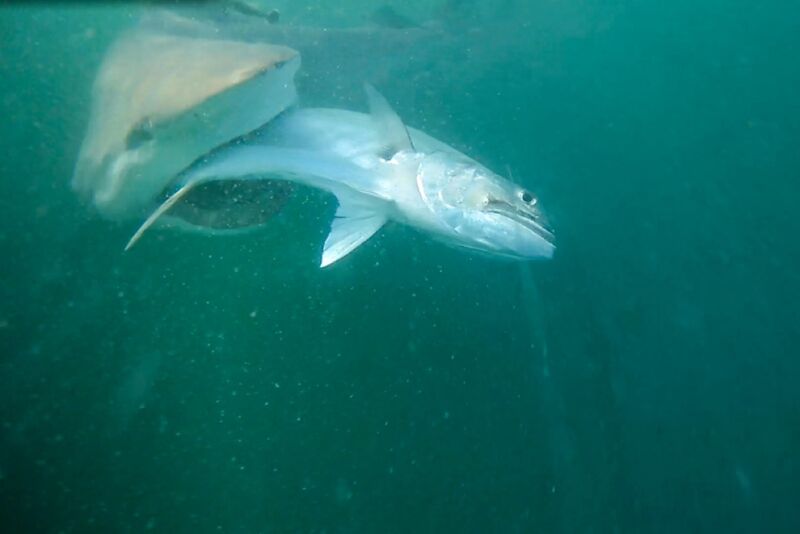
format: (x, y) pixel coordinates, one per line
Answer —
(479, 209)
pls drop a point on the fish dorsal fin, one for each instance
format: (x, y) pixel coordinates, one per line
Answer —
(393, 133)
(352, 225)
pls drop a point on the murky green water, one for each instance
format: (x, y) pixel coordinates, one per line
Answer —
(644, 380)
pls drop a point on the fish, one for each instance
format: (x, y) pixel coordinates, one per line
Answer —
(379, 170)
(388, 17)
(160, 101)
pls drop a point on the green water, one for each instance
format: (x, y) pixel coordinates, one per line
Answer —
(644, 380)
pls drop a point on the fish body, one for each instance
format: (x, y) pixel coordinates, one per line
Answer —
(379, 170)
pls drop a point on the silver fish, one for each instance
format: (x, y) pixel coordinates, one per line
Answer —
(379, 170)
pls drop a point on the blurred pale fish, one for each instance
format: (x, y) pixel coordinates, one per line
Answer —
(162, 100)
(134, 390)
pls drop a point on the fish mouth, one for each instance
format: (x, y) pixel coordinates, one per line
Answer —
(531, 220)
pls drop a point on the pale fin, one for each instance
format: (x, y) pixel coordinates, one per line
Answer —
(351, 227)
(161, 210)
(393, 133)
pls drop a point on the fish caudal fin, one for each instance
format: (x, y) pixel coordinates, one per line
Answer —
(159, 211)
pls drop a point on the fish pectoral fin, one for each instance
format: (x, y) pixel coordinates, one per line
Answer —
(159, 211)
(393, 133)
(350, 228)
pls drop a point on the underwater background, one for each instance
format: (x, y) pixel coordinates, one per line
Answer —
(643, 380)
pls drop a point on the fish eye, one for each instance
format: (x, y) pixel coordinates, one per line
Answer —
(527, 198)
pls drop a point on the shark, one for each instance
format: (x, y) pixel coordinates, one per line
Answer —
(380, 171)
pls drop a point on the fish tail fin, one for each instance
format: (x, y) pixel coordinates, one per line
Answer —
(159, 211)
